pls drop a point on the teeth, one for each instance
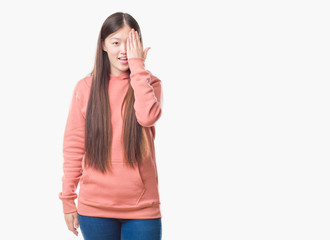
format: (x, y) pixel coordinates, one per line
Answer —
(123, 58)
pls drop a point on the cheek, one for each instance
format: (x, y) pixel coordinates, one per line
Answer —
(113, 53)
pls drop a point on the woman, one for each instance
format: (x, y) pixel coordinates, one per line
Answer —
(108, 143)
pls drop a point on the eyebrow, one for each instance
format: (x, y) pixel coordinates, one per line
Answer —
(115, 38)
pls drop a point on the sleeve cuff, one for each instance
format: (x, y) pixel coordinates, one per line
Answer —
(69, 206)
(136, 64)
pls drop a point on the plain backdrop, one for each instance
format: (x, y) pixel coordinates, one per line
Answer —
(242, 146)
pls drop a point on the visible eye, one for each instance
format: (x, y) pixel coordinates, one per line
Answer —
(114, 43)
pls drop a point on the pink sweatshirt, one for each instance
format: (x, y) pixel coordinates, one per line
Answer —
(126, 192)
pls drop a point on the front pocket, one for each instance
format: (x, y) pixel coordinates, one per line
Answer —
(122, 187)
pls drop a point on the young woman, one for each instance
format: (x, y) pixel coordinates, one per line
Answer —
(108, 143)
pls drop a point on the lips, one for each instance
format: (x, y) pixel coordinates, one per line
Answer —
(123, 60)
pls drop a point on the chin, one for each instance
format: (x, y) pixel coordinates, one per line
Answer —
(125, 68)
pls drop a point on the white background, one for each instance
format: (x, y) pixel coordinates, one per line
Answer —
(243, 142)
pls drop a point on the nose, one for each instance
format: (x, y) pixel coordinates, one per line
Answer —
(123, 49)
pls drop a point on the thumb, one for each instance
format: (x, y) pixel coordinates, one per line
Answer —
(76, 222)
(146, 52)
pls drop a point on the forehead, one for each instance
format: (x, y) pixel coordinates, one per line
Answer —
(120, 34)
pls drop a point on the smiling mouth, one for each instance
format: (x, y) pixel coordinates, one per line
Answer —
(123, 61)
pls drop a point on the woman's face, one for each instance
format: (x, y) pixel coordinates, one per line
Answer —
(115, 46)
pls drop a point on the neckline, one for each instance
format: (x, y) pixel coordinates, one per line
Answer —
(122, 76)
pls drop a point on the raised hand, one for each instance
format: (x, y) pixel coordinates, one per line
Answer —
(134, 46)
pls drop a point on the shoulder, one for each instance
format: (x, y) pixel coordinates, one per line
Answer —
(82, 89)
(154, 79)
(83, 85)
(85, 82)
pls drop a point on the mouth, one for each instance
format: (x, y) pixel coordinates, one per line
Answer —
(123, 60)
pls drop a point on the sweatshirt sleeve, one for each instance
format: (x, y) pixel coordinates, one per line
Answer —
(147, 92)
(73, 152)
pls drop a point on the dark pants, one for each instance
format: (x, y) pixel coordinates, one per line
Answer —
(99, 228)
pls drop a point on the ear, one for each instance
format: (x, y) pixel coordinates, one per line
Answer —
(103, 46)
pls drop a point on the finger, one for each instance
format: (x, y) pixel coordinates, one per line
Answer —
(76, 222)
(130, 40)
(133, 38)
(71, 227)
(146, 52)
(127, 45)
(138, 39)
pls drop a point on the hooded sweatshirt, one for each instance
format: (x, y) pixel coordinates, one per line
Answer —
(125, 192)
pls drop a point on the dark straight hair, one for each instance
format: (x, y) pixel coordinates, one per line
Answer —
(136, 146)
